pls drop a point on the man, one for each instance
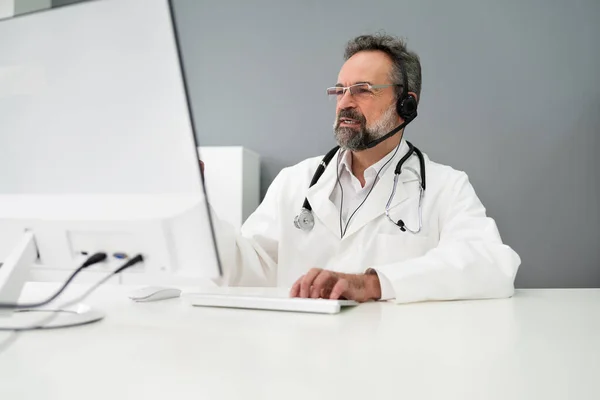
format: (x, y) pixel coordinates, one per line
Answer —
(372, 239)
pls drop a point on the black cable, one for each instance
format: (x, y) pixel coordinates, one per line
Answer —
(93, 259)
(39, 325)
(337, 171)
(135, 260)
(370, 190)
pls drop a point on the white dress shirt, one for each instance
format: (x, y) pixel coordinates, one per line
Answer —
(352, 194)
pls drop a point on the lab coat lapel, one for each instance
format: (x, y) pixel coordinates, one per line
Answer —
(374, 206)
(319, 198)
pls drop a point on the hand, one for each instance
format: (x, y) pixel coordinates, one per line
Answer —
(320, 283)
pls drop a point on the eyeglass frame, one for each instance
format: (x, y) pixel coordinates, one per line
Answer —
(348, 88)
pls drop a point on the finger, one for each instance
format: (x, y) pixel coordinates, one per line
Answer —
(307, 282)
(321, 282)
(329, 285)
(295, 290)
(339, 289)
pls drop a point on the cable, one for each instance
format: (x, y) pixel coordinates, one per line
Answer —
(135, 260)
(337, 172)
(94, 259)
(370, 190)
(39, 325)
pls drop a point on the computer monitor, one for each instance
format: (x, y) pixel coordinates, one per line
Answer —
(97, 145)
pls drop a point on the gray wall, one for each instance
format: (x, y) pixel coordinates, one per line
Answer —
(60, 3)
(511, 95)
(28, 6)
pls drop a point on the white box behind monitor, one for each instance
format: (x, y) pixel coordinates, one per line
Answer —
(232, 176)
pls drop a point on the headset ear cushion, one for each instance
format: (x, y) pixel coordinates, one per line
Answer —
(407, 107)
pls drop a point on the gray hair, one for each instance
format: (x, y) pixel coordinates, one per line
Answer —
(396, 49)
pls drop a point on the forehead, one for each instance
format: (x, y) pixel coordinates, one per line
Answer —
(366, 66)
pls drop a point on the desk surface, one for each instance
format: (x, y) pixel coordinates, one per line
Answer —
(541, 344)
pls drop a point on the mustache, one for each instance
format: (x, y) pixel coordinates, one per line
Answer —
(353, 114)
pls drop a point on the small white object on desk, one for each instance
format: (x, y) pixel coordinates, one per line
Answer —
(154, 293)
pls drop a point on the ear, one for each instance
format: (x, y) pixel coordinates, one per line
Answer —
(414, 95)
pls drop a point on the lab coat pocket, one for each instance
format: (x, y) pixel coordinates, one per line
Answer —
(401, 247)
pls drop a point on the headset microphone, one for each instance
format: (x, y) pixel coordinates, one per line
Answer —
(375, 142)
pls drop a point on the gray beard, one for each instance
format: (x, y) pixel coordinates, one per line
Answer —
(357, 139)
(353, 139)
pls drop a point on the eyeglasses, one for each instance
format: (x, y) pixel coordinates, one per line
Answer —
(359, 90)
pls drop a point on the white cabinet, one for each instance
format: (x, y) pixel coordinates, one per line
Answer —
(7, 8)
(232, 176)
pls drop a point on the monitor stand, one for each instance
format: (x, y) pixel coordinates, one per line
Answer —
(13, 275)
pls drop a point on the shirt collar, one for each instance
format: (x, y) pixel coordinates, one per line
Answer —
(383, 164)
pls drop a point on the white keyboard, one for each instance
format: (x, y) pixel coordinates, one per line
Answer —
(277, 303)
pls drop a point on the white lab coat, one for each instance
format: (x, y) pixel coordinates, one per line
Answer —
(457, 255)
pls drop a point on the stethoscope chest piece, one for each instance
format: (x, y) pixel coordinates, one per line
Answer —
(305, 220)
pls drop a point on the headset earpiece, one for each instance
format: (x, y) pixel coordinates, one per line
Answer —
(407, 107)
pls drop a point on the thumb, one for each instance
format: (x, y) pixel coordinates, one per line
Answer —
(339, 289)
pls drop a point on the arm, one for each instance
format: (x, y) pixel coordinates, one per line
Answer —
(470, 261)
(250, 257)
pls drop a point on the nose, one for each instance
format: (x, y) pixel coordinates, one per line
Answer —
(346, 101)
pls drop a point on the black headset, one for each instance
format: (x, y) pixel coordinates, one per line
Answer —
(406, 106)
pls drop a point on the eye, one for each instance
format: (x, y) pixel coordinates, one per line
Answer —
(335, 91)
(360, 90)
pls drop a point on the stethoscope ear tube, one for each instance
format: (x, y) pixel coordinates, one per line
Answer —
(421, 166)
(320, 169)
(411, 150)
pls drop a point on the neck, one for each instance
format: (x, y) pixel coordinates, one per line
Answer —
(361, 160)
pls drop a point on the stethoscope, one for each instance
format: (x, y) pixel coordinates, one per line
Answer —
(306, 221)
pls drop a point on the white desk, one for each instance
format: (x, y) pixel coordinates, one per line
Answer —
(541, 344)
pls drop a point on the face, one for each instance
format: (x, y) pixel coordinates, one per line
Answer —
(365, 115)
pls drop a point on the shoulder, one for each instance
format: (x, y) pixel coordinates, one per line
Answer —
(452, 187)
(444, 177)
(442, 170)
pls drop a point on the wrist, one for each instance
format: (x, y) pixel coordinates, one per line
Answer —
(372, 285)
